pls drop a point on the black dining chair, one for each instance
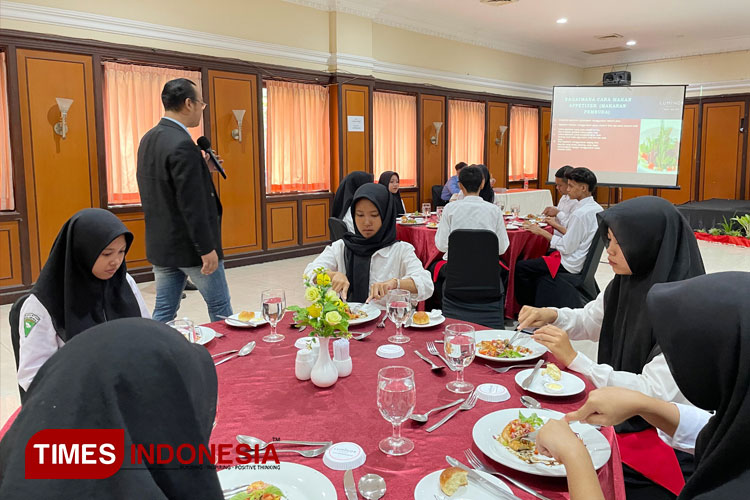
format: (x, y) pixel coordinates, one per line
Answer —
(473, 290)
(437, 201)
(337, 227)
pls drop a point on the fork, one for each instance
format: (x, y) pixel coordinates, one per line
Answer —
(505, 369)
(479, 465)
(382, 321)
(466, 405)
(433, 350)
(361, 335)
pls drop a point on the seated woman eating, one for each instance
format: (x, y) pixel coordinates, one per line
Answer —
(648, 242)
(366, 264)
(83, 283)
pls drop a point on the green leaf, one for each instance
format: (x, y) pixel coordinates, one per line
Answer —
(532, 419)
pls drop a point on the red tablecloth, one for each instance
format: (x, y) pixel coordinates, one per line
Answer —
(523, 245)
(260, 396)
(724, 239)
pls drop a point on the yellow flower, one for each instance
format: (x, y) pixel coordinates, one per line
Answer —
(333, 318)
(314, 310)
(332, 295)
(312, 294)
(323, 279)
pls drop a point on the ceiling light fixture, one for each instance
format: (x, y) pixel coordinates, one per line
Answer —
(630, 42)
(562, 20)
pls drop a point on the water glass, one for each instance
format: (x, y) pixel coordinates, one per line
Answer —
(516, 210)
(397, 397)
(426, 207)
(185, 327)
(460, 349)
(439, 211)
(274, 305)
(398, 308)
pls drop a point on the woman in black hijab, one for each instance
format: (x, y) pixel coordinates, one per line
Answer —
(83, 283)
(391, 180)
(133, 374)
(342, 200)
(368, 262)
(487, 193)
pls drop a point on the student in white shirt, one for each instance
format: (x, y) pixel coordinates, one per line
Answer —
(369, 262)
(713, 373)
(342, 200)
(391, 180)
(573, 245)
(649, 242)
(83, 283)
(557, 217)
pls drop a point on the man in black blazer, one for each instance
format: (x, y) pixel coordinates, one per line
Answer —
(181, 207)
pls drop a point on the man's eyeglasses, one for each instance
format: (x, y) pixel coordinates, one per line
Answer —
(203, 104)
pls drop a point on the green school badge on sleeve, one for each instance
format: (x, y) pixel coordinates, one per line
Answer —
(29, 322)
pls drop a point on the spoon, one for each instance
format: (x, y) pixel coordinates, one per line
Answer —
(247, 349)
(422, 417)
(371, 486)
(360, 335)
(531, 403)
(262, 445)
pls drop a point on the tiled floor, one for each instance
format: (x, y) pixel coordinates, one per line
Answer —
(246, 284)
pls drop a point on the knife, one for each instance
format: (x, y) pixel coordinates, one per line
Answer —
(349, 488)
(479, 480)
(527, 383)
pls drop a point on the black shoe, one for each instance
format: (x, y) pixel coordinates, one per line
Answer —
(189, 286)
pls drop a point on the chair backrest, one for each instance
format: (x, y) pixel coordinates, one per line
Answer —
(437, 200)
(15, 335)
(337, 228)
(588, 273)
(473, 271)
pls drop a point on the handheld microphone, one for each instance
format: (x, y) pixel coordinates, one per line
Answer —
(205, 145)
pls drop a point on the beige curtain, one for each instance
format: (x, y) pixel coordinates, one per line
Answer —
(465, 133)
(6, 165)
(298, 144)
(523, 154)
(132, 106)
(394, 132)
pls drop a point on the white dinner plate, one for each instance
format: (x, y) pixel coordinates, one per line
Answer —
(572, 385)
(512, 227)
(297, 482)
(417, 222)
(429, 487)
(524, 340)
(255, 322)
(372, 313)
(204, 335)
(542, 224)
(434, 321)
(493, 424)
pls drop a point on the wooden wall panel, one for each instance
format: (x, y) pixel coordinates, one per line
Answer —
(61, 174)
(688, 149)
(497, 154)
(281, 223)
(356, 145)
(240, 193)
(333, 120)
(432, 169)
(410, 200)
(10, 254)
(136, 224)
(721, 150)
(315, 220)
(628, 193)
(603, 195)
(544, 138)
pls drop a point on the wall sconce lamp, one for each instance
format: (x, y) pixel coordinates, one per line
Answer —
(238, 115)
(501, 132)
(434, 138)
(61, 127)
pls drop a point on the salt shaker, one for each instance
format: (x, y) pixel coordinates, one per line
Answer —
(341, 358)
(303, 364)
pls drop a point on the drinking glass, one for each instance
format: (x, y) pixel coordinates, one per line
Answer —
(439, 211)
(460, 347)
(516, 210)
(398, 307)
(426, 209)
(274, 305)
(397, 398)
(185, 327)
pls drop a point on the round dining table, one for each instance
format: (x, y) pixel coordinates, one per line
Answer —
(523, 245)
(260, 396)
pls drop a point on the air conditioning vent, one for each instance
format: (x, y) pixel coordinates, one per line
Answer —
(498, 2)
(608, 50)
(611, 36)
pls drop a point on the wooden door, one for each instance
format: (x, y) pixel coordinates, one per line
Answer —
(497, 143)
(544, 138)
(721, 150)
(356, 142)
(61, 174)
(433, 155)
(686, 169)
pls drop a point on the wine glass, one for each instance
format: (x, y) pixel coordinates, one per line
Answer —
(274, 304)
(460, 347)
(516, 210)
(397, 397)
(185, 327)
(398, 307)
(439, 214)
(426, 207)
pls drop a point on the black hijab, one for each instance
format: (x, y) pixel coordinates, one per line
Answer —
(342, 200)
(385, 180)
(660, 247)
(703, 328)
(73, 296)
(359, 249)
(134, 374)
(486, 193)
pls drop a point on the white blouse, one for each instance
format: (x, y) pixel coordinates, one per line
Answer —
(655, 379)
(692, 421)
(395, 261)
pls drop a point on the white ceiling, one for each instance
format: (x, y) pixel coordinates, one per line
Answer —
(662, 28)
